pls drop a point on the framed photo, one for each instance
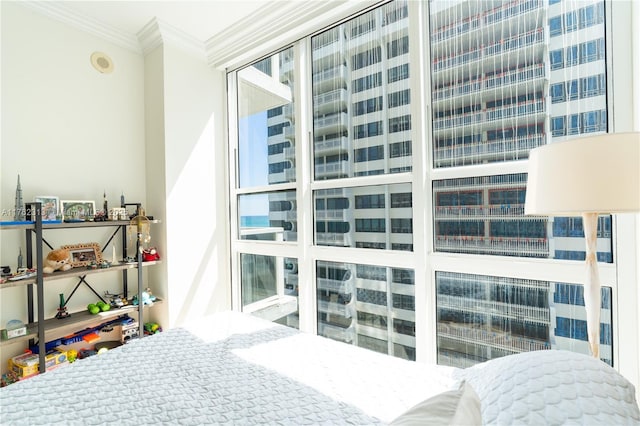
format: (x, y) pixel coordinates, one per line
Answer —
(78, 209)
(50, 206)
(84, 254)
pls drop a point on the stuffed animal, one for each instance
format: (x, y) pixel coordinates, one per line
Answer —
(56, 260)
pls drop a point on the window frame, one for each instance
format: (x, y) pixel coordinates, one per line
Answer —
(623, 268)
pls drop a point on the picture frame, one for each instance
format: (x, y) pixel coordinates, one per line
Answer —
(84, 254)
(80, 210)
(50, 206)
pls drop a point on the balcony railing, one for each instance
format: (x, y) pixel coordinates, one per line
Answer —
(507, 310)
(515, 148)
(502, 246)
(333, 239)
(525, 108)
(480, 212)
(494, 339)
(337, 286)
(331, 146)
(520, 75)
(498, 14)
(512, 43)
(344, 310)
(339, 168)
(334, 332)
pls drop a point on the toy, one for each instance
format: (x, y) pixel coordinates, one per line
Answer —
(62, 309)
(152, 328)
(150, 254)
(57, 260)
(147, 298)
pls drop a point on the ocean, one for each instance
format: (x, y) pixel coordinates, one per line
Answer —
(254, 221)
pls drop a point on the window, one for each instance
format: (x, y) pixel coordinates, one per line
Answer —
(373, 201)
(368, 82)
(571, 21)
(364, 59)
(555, 26)
(400, 124)
(572, 90)
(399, 98)
(365, 107)
(486, 103)
(369, 154)
(572, 55)
(557, 92)
(557, 60)
(368, 130)
(558, 126)
(400, 149)
(574, 124)
(398, 73)
(398, 47)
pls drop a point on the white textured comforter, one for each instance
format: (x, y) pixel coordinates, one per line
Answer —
(235, 369)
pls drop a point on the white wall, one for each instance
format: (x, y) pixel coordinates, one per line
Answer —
(196, 213)
(69, 131)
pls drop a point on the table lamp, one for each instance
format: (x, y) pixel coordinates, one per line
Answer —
(586, 177)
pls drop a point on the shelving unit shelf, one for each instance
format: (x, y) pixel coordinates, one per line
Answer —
(42, 329)
(77, 319)
(77, 272)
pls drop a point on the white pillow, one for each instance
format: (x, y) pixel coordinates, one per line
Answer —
(456, 407)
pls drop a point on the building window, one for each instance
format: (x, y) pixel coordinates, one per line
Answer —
(555, 26)
(398, 73)
(400, 149)
(373, 201)
(571, 21)
(400, 124)
(557, 60)
(398, 47)
(371, 225)
(572, 55)
(573, 91)
(557, 92)
(401, 200)
(368, 82)
(558, 127)
(399, 98)
(371, 153)
(368, 130)
(368, 106)
(365, 59)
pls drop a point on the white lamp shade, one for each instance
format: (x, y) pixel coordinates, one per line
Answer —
(597, 174)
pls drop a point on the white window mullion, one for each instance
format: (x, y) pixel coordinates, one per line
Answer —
(304, 167)
(422, 229)
(232, 116)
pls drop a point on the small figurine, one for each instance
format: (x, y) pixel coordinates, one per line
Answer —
(20, 213)
(62, 309)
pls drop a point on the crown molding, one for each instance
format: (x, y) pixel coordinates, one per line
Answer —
(273, 26)
(59, 12)
(157, 32)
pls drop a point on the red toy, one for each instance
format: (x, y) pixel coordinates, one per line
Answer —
(150, 254)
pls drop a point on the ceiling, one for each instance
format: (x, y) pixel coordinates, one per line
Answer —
(200, 19)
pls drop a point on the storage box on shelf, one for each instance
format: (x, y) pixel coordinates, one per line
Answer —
(46, 329)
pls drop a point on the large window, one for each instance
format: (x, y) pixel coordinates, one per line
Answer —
(479, 316)
(397, 223)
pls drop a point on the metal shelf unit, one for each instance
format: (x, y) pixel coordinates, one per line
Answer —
(38, 326)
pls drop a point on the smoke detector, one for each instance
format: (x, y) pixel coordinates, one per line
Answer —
(102, 62)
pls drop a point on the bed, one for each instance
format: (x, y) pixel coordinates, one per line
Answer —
(235, 369)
